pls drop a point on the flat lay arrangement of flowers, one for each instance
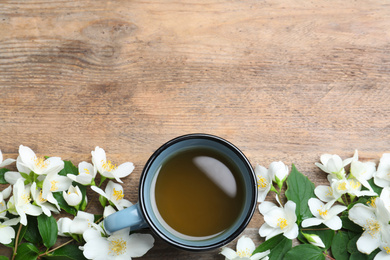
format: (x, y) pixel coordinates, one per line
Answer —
(346, 219)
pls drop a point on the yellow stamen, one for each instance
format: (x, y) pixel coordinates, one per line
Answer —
(330, 192)
(117, 247)
(108, 166)
(244, 253)
(323, 213)
(40, 198)
(372, 227)
(85, 171)
(387, 249)
(342, 186)
(371, 202)
(40, 162)
(355, 184)
(118, 194)
(262, 182)
(26, 198)
(54, 186)
(282, 223)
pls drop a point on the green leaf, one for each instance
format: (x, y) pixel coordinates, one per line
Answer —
(351, 247)
(69, 168)
(349, 224)
(340, 245)
(32, 233)
(68, 252)
(300, 189)
(3, 257)
(326, 234)
(63, 205)
(2, 173)
(48, 229)
(376, 188)
(27, 251)
(278, 245)
(361, 256)
(306, 251)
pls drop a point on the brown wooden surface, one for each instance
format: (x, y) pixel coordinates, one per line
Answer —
(283, 80)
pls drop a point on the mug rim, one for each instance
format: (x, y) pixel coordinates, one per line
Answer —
(248, 215)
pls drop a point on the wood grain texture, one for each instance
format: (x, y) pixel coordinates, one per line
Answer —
(283, 80)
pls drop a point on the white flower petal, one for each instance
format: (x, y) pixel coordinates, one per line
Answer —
(6, 192)
(265, 207)
(309, 222)
(367, 243)
(292, 232)
(11, 177)
(99, 191)
(123, 170)
(95, 248)
(139, 244)
(229, 253)
(6, 162)
(6, 234)
(333, 223)
(259, 256)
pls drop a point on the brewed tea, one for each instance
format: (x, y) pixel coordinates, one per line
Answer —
(199, 192)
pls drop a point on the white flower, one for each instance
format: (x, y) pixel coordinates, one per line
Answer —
(74, 196)
(28, 160)
(54, 183)
(11, 177)
(114, 193)
(325, 193)
(314, 240)
(354, 188)
(334, 165)
(324, 213)
(86, 174)
(374, 220)
(46, 207)
(6, 161)
(279, 171)
(264, 182)
(382, 176)
(245, 248)
(20, 203)
(278, 220)
(64, 225)
(107, 169)
(81, 222)
(7, 233)
(119, 246)
(363, 172)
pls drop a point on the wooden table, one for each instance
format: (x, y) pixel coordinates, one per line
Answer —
(283, 80)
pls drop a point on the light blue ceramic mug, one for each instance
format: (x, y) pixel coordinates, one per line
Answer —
(146, 213)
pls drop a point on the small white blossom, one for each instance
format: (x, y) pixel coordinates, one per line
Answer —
(45, 205)
(54, 183)
(314, 240)
(74, 196)
(278, 220)
(245, 248)
(119, 246)
(334, 165)
(28, 161)
(107, 169)
(87, 173)
(374, 220)
(3, 196)
(264, 182)
(114, 193)
(363, 172)
(324, 213)
(20, 203)
(279, 171)
(81, 222)
(6, 162)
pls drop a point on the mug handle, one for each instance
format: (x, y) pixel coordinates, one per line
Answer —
(128, 217)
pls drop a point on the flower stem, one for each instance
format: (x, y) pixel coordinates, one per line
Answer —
(48, 252)
(16, 242)
(328, 256)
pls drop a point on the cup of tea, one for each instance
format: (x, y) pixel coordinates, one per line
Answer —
(196, 192)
